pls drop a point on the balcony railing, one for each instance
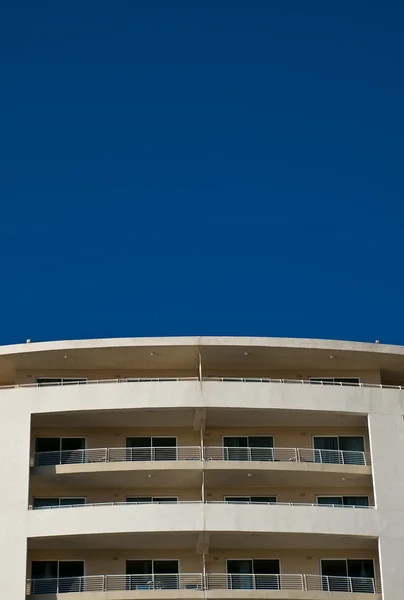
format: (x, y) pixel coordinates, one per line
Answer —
(104, 455)
(361, 585)
(111, 583)
(156, 501)
(212, 378)
(196, 581)
(175, 453)
(306, 455)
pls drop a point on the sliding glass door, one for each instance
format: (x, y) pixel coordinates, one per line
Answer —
(253, 447)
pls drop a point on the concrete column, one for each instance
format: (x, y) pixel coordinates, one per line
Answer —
(14, 480)
(386, 434)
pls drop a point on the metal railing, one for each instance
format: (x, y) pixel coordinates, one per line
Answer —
(100, 504)
(241, 581)
(359, 384)
(196, 581)
(249, 503)
(325, 583)
(175, 453)
(223, 379)
(110, 583)
(310, 455)
(104, 455)
(70, 382)
(156, 501)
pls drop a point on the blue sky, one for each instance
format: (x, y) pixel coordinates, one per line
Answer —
(201, 168)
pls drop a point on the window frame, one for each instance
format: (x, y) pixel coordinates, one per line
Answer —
(346, 562)
(57, 498)
(175, 498)
(342, 496)
(59, 561)
(249, 497)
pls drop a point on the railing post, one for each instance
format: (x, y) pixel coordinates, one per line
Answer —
(304, 583)
(350, 584)
(297, 454)
(104, 583)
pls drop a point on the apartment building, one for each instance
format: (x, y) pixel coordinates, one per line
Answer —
(190, 468)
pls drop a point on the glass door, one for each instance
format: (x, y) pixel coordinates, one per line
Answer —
(352, 448)
(164, 448)
(261, 447)
(72, 450)
(334, 576)
(240, 574)
(138, 448)
(47, 451)
(166, 574)
(139, 575)
(71, 573)
(266, 574)
(44, 577)
(362, 573)
(326, 450)
(235, 448)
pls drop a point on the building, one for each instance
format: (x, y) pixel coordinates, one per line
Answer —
(190, 468)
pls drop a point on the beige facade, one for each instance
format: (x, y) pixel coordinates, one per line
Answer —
(265, 468)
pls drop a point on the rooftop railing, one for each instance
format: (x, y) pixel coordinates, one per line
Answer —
(195, 453)
(196, 581)
(223, 379)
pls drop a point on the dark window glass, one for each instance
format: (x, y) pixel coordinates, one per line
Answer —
(72, 501)
(45, 502)
(356, 501)
(330, 500)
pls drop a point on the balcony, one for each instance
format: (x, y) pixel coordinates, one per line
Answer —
(196, 585)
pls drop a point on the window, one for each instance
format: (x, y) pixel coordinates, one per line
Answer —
(252, 447)
(335, 380)
(250, 499)
(56, 502)
(247, 574)
(348, 450)
(334, 574)
(152, 574)
(359, 501)
(152, 499)
(151, 448)
(59, 451)
(44, 381)
(50, 577)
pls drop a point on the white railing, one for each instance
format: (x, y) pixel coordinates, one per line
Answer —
(175, 453)
(70, 382)
(109, 583)
(359, 384)
(249, 503)
(310, 455)
(96, 504)
(223, 379)
(324, 583)
(227, 581)
(156, 501)
(196, 581)
(104, 455)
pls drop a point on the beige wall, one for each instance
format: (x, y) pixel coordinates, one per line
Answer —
(284, 437)
(366, 376)
(116, 438)
(113, 562)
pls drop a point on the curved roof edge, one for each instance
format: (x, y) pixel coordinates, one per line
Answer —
(268, 342)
